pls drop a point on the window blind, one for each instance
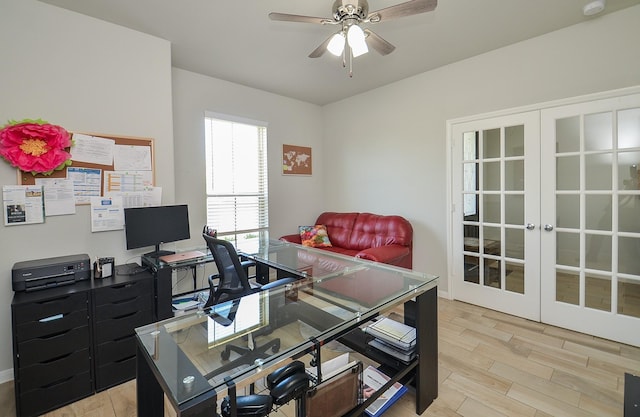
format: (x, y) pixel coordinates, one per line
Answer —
(237, 191)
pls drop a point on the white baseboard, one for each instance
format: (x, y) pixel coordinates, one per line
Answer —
(444, 294)
(6, 375)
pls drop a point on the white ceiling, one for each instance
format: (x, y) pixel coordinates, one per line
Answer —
(236, 41)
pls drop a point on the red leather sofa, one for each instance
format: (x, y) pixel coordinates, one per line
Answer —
(386, 239)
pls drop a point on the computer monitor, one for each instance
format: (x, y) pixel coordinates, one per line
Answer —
(152, 226)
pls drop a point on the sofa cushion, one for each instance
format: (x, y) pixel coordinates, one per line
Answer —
(339, 226)
(373, 231)
(314, 236)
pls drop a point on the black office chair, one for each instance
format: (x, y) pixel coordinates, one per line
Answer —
(246, 264)
(234, 284)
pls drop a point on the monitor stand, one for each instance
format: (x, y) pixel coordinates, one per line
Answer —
(158, 253)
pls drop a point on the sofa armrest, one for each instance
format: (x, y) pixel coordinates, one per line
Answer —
(292, 238)
(388, 254)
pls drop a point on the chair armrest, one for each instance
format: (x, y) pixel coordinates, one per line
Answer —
(386, 254)
(292, 238)
(277, 283)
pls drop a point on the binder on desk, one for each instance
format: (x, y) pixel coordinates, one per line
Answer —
(393, 332)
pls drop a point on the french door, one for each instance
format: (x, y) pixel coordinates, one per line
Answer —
(546, 215)
(591, 215)
(496, 207)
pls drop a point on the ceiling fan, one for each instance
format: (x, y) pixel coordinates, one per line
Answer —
(351, 40)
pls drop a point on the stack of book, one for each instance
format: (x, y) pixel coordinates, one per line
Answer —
(393, 338)
(373, 380)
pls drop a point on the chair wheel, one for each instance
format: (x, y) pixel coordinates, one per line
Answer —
(225, 354)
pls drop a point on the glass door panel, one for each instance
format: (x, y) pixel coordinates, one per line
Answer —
(496, 159)
(591, 276)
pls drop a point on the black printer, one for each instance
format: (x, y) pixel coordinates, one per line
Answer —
(40, 274)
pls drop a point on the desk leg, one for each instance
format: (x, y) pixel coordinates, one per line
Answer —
(262, 273)
(150, 397)
(163, 294)
(426, 316)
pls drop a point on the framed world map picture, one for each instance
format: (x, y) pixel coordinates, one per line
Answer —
(296, 160)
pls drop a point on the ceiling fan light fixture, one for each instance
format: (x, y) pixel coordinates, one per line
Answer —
(336, 44)
(356, 39)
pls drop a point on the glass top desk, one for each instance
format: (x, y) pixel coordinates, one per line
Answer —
(184, 357)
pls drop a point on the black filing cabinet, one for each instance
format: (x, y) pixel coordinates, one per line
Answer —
(52, 349)
(119, 308)
(74, 340)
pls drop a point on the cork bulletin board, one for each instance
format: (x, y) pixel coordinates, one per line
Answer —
(26, 178)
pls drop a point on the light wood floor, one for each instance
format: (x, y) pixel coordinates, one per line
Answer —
(491, 365)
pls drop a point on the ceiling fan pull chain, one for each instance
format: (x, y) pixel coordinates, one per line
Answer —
(350, 64)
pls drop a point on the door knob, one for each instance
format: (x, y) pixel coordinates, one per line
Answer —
(530, 226)
(548, 227)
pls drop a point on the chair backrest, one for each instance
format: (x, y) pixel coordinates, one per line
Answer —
(234, 282)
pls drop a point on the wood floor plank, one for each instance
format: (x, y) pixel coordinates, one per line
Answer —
(587, 387)
(516, 360)
(597, 377)
(542, 385)
(534, 336)
(549, 405)
(583, 339)
(610, 357)
(558, 352)
(473, 408)
(600, 409)
(455, 354)
(493, 399)
(519, 322)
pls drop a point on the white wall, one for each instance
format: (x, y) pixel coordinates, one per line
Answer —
(395, 160)
(293, 200)
(85, 75)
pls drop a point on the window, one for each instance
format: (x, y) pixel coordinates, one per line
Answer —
(236, 169)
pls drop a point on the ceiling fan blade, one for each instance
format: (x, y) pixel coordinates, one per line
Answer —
(376, 42)
(284, 17)
(317, 53)
(407, 8)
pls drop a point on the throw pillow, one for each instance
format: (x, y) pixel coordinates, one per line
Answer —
(314, 236)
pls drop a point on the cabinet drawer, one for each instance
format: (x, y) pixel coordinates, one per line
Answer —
(39, 401)
(119, 327)
(123, 308)
(115, 373)
(51, 326)
(32, 312)
(121, 292)
(41, 375)
(40, 350)
(116, 350)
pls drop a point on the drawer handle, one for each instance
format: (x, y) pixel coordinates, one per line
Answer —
(62, 381)
(54, 335)
(51, 318)
(126, 359)
(124, 301)
(128, 285)
(125, 337)
(57, 300)
(58, 358)
(125, 315)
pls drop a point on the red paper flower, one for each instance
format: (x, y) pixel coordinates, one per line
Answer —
(35, 146)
